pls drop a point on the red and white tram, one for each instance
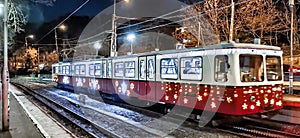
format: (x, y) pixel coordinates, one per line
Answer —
(243, 78)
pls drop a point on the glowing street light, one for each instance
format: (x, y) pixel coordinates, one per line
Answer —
(97, 46)
(131, 38)
(26, 41)
(113, 44)
(61, 27)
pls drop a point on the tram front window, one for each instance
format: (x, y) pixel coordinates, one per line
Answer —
(273, 68)
(251, 68)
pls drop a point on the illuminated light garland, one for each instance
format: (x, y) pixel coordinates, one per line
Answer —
(257, 103)
(228, 99)
(199, 98)
(166, 97)
(213, 105)
(185, 100)
(175, 96)
(244, 106)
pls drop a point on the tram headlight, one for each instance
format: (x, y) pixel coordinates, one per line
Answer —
(252, 98)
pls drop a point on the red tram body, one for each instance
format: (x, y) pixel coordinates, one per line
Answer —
(233, 78)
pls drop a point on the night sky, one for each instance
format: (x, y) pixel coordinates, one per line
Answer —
(39, 13)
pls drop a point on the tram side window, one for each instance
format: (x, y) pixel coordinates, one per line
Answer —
(54, 69)
(151, 69)
(59, 70)
(77, 69)
(109, 71)
(82, 69)
(91, 69)
(274, 72)
(63, 69)
(68, 70)
(169, 68)
(104, 69)
(191, 68)
(143, 69)
(98, 69)
(251, 68)
(130, 69)
(119, 69)
(221, 68)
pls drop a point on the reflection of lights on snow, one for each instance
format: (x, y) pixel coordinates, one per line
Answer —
(66, 80)
(124, 87)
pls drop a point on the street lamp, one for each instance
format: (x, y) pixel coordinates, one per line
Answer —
(61, 27)
(97, 46)
(113, 44)
(26, 41)
(131, 37)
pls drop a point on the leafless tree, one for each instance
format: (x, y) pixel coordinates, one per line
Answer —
(252, 19)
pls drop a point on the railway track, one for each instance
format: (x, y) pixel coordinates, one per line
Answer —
(255, 127)
(263, 128)
(104, 129)
(80, 122)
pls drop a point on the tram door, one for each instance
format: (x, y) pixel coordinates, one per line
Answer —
(147, 78)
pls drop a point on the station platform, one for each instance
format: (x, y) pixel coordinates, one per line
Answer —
(20, 125)
(27, 121)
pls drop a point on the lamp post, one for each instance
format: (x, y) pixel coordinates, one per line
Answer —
(62, 27)
(291, 2)
(5, 78)
(113, 43)
(26, 41)
(131, 38)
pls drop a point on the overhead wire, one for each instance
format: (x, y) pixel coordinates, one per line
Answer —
(158, 26)
(152, 19)
(64, 20)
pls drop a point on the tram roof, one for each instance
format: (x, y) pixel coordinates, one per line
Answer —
(210, 47)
